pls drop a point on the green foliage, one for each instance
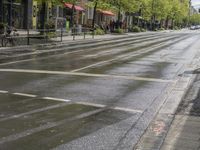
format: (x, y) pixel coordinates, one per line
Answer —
(99, 31)
(51, 35)
(50, 24)
(135, 29)
(195, 19)
(162, 29)
(143, 30)
(119, 31)
(176, 28)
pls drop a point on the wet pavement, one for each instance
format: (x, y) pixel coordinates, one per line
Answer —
(99, 94)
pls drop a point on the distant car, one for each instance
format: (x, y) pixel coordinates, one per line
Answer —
(197, 26)
(193, 28)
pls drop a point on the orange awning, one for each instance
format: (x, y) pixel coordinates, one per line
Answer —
(107, 13)
(78, 8)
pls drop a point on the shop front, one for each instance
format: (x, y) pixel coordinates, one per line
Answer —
(16, 13)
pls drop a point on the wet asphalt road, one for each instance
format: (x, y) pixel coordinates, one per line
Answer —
(95, 95)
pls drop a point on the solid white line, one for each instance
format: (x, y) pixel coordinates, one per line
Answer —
(127, 109)
(87, 75)
(91, 104)
(114, 59)
(56, 99)
(24, 94)
(115, 108)
(1, 91)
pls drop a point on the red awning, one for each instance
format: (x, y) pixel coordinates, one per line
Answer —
(108, 13)
(78, 8)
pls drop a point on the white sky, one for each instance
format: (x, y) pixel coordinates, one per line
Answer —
(195, 2)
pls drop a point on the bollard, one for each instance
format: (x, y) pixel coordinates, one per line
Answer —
(84, 34)
(61, 35)
(28, 40)
(93, 33)
(73, 32)
(46, 37)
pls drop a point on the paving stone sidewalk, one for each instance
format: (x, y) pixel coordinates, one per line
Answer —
(184, 133)
(176, 128)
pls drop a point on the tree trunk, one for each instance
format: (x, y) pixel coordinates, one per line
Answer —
(43, 12)
(1, 10)
(10, 13)
(94, 15)
(72, 16)
(167, 22)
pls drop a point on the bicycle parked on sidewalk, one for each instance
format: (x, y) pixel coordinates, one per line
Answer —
(9, 38)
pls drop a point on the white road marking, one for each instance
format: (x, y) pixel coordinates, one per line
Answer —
(24, 94)
(115, 108)
(19, 61)
(87, 75)
(56, 99)
(117, 58)
(127, 109)
(91, 104)
(1, 91)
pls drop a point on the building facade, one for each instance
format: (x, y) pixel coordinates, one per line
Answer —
(16, 12)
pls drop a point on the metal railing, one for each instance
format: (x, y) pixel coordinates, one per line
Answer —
(41, 36)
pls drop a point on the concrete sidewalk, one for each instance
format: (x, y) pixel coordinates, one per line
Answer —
(176, 128)
(184, 133)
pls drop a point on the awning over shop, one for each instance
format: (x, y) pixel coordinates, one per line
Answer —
(78, 8)
(107, 13)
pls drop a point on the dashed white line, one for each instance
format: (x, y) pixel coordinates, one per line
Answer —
(1, 91)
(24, 94)
(56, 99)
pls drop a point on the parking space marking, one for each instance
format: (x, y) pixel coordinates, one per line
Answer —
(88, 75)
(2, 91)
(24, 94)
(56, 99)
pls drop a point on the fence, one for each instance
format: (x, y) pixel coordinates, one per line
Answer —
(40, 36)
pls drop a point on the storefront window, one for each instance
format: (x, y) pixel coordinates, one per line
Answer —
(13, 13)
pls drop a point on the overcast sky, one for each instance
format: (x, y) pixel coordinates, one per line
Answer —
(195, 2)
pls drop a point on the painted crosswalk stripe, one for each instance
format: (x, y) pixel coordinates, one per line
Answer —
(56, 99)
(24, 94)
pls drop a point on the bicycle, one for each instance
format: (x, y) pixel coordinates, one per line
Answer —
(9, 38)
